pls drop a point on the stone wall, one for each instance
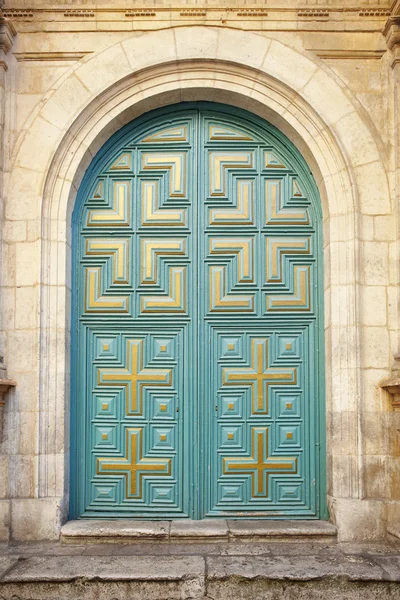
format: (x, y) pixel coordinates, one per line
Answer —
(328, 77)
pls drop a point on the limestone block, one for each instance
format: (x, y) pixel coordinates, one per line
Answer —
(375, 348)
(3, 476)
(43, 135)
(373, 311)
(38, 78)
(187, 529)
(26, 186)
(393, 306)
(27, 263)
(372, 186)
(66, 103)
(378, 433)
(14, 231)
(358, 142)
(384, 228)
(359, 519)
(26, 393)
(344, 476)
(291, 67)
(373, 397)
(143, 50)
(28, 430)
(393, 264)
(198, 42)
(104, 69)
(327, 98)
(25, 104)
(7, 307)
(8, 265)
(375, 263)
(33, 230)
(366, 228)
(343, 432)
(245, 48)
(21, 476)
(188, 570)
(342, 263)
(393, 474)
(26, 315)
(4, 520)
(36, 519)
(22, 346)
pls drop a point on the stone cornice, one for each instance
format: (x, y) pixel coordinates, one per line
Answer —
(7, 34)
(392, 32)
(392, 35)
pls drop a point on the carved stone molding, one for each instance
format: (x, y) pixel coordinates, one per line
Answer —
(5, 385)
(7, 34)
(392, 385)
(392, 35)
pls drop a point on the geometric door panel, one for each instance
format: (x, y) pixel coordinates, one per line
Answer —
(196, 337)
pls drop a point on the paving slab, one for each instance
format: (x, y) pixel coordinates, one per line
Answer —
(370, 548)
(214, 529)
(6, 564)
(390, 566)
(300, 568)
(296, 548)
(143, 568)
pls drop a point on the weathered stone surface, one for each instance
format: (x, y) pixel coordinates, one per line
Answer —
(299, 568)
(281, 528)
(190, 548)
(113, 531)
(342, 115)
(293, 573)
(334, 589)
(141, 568)
(212, 529)
(390, 565)
(6, 563)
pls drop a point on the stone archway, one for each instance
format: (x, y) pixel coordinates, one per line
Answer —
(292, 91)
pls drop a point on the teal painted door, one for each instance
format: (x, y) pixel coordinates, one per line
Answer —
(196, 338)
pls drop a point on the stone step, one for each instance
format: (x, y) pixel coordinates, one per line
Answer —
(212, 530)
(291, 571)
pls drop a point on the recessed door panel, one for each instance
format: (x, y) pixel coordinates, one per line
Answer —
(196, 341)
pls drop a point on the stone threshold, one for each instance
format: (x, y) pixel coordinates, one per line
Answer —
(212, 530)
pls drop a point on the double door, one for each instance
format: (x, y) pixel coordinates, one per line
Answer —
(196, 383)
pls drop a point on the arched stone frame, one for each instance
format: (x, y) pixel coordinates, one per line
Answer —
(295, 93)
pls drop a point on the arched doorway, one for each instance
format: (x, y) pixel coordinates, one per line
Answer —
(197, 377)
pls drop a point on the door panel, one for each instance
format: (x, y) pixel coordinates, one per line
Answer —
(197, 387)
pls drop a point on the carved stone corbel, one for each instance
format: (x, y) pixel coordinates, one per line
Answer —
(392, 35)
(392, 384)
(7, 34)
(5, 385)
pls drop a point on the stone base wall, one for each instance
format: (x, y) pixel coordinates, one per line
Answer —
(329, 79)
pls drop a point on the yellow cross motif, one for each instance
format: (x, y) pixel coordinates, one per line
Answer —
(260, 465)
(135, 376)
(259, 375)
(133, 466)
